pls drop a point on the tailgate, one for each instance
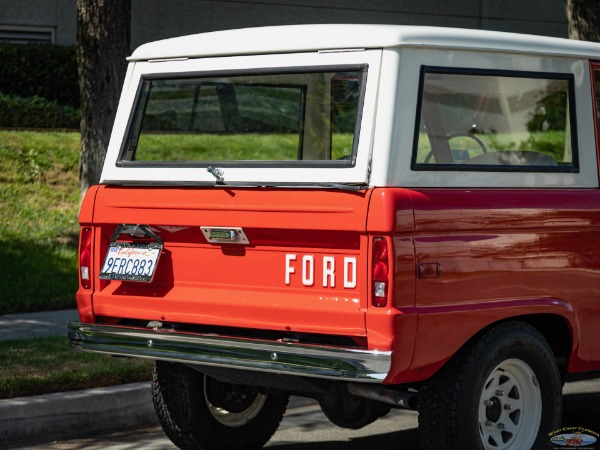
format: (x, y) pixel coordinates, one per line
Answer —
(303, 269)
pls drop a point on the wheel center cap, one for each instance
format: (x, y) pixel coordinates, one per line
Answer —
(493, 410)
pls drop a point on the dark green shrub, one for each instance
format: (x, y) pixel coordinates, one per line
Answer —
(39, 70)
(36, 112)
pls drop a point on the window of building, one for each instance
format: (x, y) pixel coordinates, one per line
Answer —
(26, 35)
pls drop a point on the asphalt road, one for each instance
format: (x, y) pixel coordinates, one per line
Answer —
(306, 428)
(302, 429)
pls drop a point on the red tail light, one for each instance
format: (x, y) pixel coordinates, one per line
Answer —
(381, 270)
(85, 256)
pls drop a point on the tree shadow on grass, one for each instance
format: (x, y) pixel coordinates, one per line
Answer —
(404, 439)
(37, 277)
(312, 431)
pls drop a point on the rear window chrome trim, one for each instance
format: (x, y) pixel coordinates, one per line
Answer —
(140, 93)
(241, 185)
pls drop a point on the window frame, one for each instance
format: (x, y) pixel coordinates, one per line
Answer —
(465, 167)
(595, 67)
(132, 123)
(357, 176)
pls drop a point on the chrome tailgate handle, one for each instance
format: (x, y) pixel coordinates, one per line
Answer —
(225, 235)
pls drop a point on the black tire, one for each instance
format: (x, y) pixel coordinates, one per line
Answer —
(200, 413)
(464, 405)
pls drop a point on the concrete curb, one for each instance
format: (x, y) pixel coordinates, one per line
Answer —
(77, 413)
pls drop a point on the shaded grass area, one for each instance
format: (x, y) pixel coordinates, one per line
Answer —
(45, 365)
(39, 200)
(39, 197)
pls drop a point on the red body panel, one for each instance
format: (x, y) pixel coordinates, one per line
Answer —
(462, 260)
(242, 286)
(502, 254)
(84, 296)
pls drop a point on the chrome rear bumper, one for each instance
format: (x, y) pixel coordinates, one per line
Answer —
(209, 350)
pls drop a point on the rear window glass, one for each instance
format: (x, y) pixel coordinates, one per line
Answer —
(495, 121)
(246, 119)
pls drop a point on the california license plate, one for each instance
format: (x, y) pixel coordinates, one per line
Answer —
(131, 261)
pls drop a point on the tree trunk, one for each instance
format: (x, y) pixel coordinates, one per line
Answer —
(583, 19)
(103, 36)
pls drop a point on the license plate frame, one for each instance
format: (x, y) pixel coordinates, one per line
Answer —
(120, 261)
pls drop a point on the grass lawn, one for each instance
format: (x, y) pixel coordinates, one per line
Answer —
(551, 143)
(45, 365)
(39, 197)
(39, 201)
(225, 147)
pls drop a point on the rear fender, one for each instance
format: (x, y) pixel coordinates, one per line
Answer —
(443, 330)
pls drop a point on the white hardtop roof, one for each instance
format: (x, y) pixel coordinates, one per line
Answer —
(303, 38)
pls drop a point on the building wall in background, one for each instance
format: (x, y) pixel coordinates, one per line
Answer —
(158, 19)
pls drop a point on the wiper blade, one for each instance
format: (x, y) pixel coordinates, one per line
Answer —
(343, 187)
(338, 186)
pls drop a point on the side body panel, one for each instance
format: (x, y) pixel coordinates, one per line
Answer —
(501, 254)
(471, 258)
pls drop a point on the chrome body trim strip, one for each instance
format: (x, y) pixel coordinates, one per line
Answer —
(344, 364)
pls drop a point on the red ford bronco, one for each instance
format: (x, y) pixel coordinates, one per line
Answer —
(372, 216)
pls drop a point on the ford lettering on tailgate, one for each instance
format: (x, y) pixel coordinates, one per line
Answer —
(304, 267)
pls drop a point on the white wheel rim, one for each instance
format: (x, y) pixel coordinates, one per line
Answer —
(510, 407)
(235, 419)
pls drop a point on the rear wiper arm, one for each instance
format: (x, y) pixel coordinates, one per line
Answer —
(217, 173)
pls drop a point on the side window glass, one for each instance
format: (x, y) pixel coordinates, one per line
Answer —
(495, 121)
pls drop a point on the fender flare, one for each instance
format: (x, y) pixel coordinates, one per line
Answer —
(443, 329)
